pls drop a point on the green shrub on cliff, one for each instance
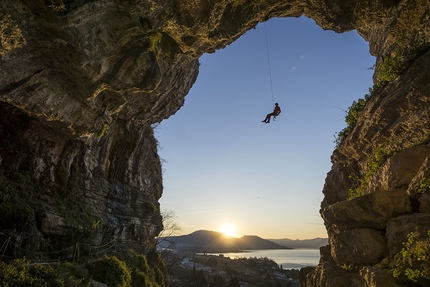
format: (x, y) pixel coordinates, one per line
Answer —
(145, 270)
(154, 41)
(351, 118)
(21, 272)
(414, 260)
(424, 186)
(111, 271)
(388, 70)
(374, 162)
(130, 269)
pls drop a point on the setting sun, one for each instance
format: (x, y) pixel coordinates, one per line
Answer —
(228, 230)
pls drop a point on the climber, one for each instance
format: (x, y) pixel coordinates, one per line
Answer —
(276, 112)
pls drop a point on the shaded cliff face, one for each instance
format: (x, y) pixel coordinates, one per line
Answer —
(80, 87)
(384, 166)
(82, 83)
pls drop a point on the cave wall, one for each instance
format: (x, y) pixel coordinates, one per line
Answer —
(82, 82)
(80, 88)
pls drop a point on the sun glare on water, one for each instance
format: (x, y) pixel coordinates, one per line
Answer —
(228, 229)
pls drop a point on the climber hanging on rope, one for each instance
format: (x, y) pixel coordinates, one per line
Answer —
(275, 113)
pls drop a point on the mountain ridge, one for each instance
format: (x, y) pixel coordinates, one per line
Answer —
(314, 243)
(213, 241)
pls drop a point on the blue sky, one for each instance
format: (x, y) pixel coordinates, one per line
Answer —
(222, 165)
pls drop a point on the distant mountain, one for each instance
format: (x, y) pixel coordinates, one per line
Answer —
(252, 242)
(315, 243)
(213, 242)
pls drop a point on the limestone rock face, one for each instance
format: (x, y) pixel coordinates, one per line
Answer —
(82, 82)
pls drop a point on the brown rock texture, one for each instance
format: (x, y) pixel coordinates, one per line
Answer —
(82, 82)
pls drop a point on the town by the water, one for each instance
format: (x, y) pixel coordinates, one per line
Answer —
(203, 270)
(196, 259)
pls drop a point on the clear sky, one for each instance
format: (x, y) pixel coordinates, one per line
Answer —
(222, 165)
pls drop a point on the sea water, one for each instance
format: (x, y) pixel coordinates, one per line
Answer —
(288, 258)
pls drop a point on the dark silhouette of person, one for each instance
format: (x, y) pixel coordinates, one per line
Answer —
(276, 112)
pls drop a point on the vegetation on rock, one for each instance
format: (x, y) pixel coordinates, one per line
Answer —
(374, 162)
(21, 272)
(128, 269)
(424, 186)
(414, 261)
(351, 118)
(387, 71)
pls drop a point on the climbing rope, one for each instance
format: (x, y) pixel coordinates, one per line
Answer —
(268, 61)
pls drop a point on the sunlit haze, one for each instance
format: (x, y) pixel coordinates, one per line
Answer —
(228, 229)
(222, 165)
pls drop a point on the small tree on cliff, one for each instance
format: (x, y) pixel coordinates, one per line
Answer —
(166, 240)
(170, 229)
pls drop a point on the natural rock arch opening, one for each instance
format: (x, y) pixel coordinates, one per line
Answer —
(242, 171)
